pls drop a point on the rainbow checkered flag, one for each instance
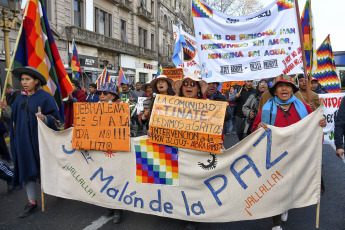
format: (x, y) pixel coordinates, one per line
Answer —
(156, 164)
(326, 70)
(159, 72)
(75, 64)
(37, 48)
(103, 78)
(308, 32)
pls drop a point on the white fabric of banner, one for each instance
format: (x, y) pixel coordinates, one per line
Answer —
(261, 45)
(331, 102)
(266, 174)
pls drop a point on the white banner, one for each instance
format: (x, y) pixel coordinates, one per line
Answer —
(331, 103)
(262, 45)
(266, 174)
(190, 59)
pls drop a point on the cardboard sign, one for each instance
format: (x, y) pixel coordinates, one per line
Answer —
(228, 84)
(101, 126)
(188, 123)
(174, 74)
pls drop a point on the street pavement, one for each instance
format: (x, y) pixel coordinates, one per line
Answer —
(69, 214)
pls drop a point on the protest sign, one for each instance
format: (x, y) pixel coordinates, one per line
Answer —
(189, 54)
(261, 45)
(101, 126)
(188, 123)
(331, 102)
(267, 169)
(174, 74)
(226, 85)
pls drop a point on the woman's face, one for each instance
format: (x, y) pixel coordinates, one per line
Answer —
(162, 86)
(149, 90)
(232, 90)
(29, 83)
(262, 87)
(75, 88)
(283, 91)
(190, 89)
(105, 96)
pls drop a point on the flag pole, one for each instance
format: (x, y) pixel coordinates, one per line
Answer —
(311, 43)
(8, 71)
(303, 50)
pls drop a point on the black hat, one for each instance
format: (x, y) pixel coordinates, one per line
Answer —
(18, 72)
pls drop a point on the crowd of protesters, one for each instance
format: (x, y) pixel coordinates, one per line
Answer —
(248, 108)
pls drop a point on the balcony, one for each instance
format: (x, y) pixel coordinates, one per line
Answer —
(125, 4)
(90, 38)
(166, 62)
(144, 14)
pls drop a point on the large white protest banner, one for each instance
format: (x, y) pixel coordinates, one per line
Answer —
(261, 45)
(266, 174)
(188, 55)
(331, 102)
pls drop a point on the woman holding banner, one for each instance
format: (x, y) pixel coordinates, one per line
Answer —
(24, 133)
(161, 85)
(282, 110)
(191, 86)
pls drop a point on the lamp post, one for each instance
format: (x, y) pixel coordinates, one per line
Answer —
(8, 21)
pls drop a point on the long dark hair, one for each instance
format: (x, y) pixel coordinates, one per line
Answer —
(170, 89)
(76, 83)
(199, 93)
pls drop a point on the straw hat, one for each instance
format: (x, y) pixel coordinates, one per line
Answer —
(161, 77)
(178, 84)
(29, 70)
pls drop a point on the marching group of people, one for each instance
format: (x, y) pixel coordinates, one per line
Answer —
(248, 109)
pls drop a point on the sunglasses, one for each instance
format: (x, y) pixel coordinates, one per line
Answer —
(102, 92)
(263, 83)
(192, 84)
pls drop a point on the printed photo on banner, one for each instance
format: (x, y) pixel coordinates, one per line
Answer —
(189, 54)
(236, 48)
(188, 123)
(101, 126)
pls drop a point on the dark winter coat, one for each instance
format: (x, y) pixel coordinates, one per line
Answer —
(24, 133)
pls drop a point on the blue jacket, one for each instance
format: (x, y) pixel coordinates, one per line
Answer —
(339, 126)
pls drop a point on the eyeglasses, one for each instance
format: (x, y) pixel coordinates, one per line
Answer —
(192, 84)
(263, 83)
(102, 92)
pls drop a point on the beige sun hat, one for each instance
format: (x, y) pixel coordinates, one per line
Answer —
(178, 84)
(161, 77)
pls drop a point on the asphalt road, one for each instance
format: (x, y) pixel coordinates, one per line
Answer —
(69, 214)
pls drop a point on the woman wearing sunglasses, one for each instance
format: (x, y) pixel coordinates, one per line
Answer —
(190, 86)
(107, 93)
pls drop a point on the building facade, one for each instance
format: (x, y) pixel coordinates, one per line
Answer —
(134, 34)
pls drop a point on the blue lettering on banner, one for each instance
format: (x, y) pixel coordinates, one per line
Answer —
(269, 164)
(109, 179)
(238, 175)
(214, 192)
(67, 151)
(185, 203)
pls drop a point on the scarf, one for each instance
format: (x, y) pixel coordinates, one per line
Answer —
(269, 111)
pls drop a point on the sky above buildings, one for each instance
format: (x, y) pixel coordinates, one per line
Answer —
(329, 18)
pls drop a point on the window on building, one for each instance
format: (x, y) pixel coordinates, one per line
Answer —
(143, 4)
(103, 22)
(163, 47)
(142, 78)
(153, 8)
(152, 42)
(142, 37)
(123, 31)
(77, 13)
